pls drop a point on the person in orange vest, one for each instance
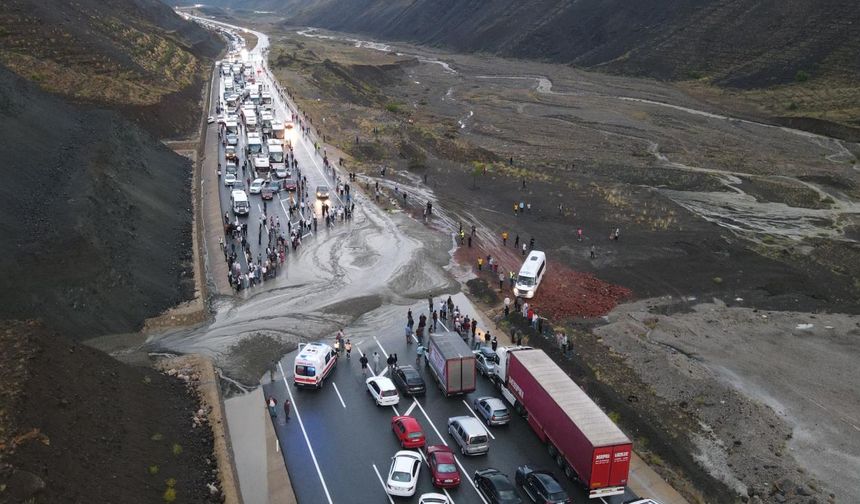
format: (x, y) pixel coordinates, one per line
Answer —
(504, 238)
(480, 263)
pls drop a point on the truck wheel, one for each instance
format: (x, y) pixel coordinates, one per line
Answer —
(551, 449)
(568, 471)
(559, 459)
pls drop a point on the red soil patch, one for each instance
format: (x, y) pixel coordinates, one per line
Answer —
(564, 293)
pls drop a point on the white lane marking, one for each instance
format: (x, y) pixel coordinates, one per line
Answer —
(471, 481)
(479, 420)
(381, 482)
(305, 434)
(431, 423)
(603, 501)
(341, 397)
(383, 371)
(380, 347)
(414, 402)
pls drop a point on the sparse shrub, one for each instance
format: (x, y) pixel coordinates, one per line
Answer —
(801, 76)
(792, 106)
(614, 416)
(177, 449)
(717, 280)
(157, 436)
(394, 107)
(153, 469)
(169, 494)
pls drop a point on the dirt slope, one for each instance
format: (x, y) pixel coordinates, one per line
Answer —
(96, 219)
(78, 426)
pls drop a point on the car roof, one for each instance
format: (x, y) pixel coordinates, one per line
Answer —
(409, 422)
(499, 480)
(467, 421)
(258, 181)
(548, 481)
(493, 401)
(384, 383)
(409, 370)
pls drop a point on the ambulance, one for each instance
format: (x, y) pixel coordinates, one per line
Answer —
(314, 363)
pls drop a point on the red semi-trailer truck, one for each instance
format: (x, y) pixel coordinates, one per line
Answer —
(586, 443)
(452, 363)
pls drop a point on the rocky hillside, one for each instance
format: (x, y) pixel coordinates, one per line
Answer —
(96, 219)
(137, 55)
(731, 41)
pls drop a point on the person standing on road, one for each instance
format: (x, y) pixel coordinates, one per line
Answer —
(390, 362)
(375, 361)
(429, 301)
(348, 347)
(474, 327)
(504, 238)
(363, 361)
(494, 342)
(524, 249)
(592, 251)
(273, 403)
(287, 409)
(507, 306)
(418, 353)
(408, 333)
(501, 281)
(435, 321)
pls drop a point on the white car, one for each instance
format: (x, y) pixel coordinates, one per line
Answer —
(257, 186)
(229, 179)
(210, 120)
(433, 498)
(281, 171)
(403, 475)
(383, 391)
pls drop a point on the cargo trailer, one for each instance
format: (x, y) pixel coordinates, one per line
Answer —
(452, 363)
(587, 445)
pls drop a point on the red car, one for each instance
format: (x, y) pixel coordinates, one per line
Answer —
(408, 431)
(440, 458)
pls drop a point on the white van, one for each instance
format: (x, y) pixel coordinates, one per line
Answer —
(313, 364)
(239, 202)
(531, 274)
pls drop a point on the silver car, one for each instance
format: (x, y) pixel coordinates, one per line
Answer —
(492, 410)
(485, 364)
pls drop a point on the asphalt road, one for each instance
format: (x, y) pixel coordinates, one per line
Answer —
(310, 165)
(337, 438)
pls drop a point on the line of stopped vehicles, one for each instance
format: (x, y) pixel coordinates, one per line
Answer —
(587, 446)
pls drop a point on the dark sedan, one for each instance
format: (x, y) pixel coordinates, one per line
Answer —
(408, 380)
(541, 486)
(271, 188)
(495, 486)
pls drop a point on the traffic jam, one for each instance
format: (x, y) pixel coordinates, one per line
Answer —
(263, 168)
(446, 423)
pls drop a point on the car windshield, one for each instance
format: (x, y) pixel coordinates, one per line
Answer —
(526, 280)
(401, 477)
(447, 468)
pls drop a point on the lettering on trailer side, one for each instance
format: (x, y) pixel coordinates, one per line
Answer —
(517, 389)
